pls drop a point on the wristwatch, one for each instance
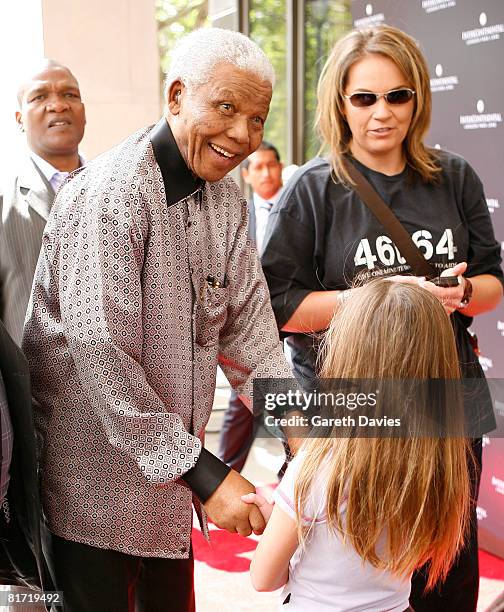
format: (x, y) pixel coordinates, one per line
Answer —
(468, 291)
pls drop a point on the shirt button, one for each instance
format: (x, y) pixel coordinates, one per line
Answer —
(183, 549)
(189, 223)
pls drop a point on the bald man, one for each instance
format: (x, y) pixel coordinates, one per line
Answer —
(52, 116)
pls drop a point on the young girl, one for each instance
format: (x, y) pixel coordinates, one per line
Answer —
(354, 517)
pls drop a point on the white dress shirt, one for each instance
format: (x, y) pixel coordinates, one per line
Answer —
(262, 209)
(54, 176)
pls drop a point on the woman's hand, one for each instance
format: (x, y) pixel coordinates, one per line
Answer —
(265, 507)
(450, 297)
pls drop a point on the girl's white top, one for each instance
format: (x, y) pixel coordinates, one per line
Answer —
(329, 575)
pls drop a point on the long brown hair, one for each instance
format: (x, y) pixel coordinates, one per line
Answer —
(330, 119)
(416, 488)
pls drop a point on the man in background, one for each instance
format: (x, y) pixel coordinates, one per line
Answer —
(52, 116)
(263, 172)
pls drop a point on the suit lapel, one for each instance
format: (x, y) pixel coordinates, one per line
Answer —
(252, 221)
(35, 189)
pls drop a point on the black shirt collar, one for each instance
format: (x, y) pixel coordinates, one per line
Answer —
(179, 182)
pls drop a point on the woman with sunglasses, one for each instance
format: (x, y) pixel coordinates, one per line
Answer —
(374, 109)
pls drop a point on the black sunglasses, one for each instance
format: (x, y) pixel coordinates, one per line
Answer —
(368, 98)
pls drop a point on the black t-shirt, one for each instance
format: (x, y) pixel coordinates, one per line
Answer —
(320, 236)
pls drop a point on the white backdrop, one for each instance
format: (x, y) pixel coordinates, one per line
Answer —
(21, 39)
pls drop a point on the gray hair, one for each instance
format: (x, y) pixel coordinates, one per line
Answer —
(199, 52)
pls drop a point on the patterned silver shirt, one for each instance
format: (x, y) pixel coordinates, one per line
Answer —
(123, 334)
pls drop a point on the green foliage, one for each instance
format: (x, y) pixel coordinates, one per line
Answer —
(268, 28)
(175, 18)
(325, 22)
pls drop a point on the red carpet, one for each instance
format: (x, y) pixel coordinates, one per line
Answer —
(223, 551)
(491, 566)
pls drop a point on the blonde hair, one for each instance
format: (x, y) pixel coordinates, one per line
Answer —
(416, 488)
(330, 119)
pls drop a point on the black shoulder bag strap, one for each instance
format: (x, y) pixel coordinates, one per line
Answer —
(401, 238)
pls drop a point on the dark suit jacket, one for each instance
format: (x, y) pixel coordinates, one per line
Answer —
(24, 209)
(22, 560)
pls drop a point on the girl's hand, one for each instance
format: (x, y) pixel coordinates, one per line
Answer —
(265, 507)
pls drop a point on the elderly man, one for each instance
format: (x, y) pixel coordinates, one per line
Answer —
(52, 116)
(146, 281)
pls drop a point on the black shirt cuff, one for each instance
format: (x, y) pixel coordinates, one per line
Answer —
(206, 475)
